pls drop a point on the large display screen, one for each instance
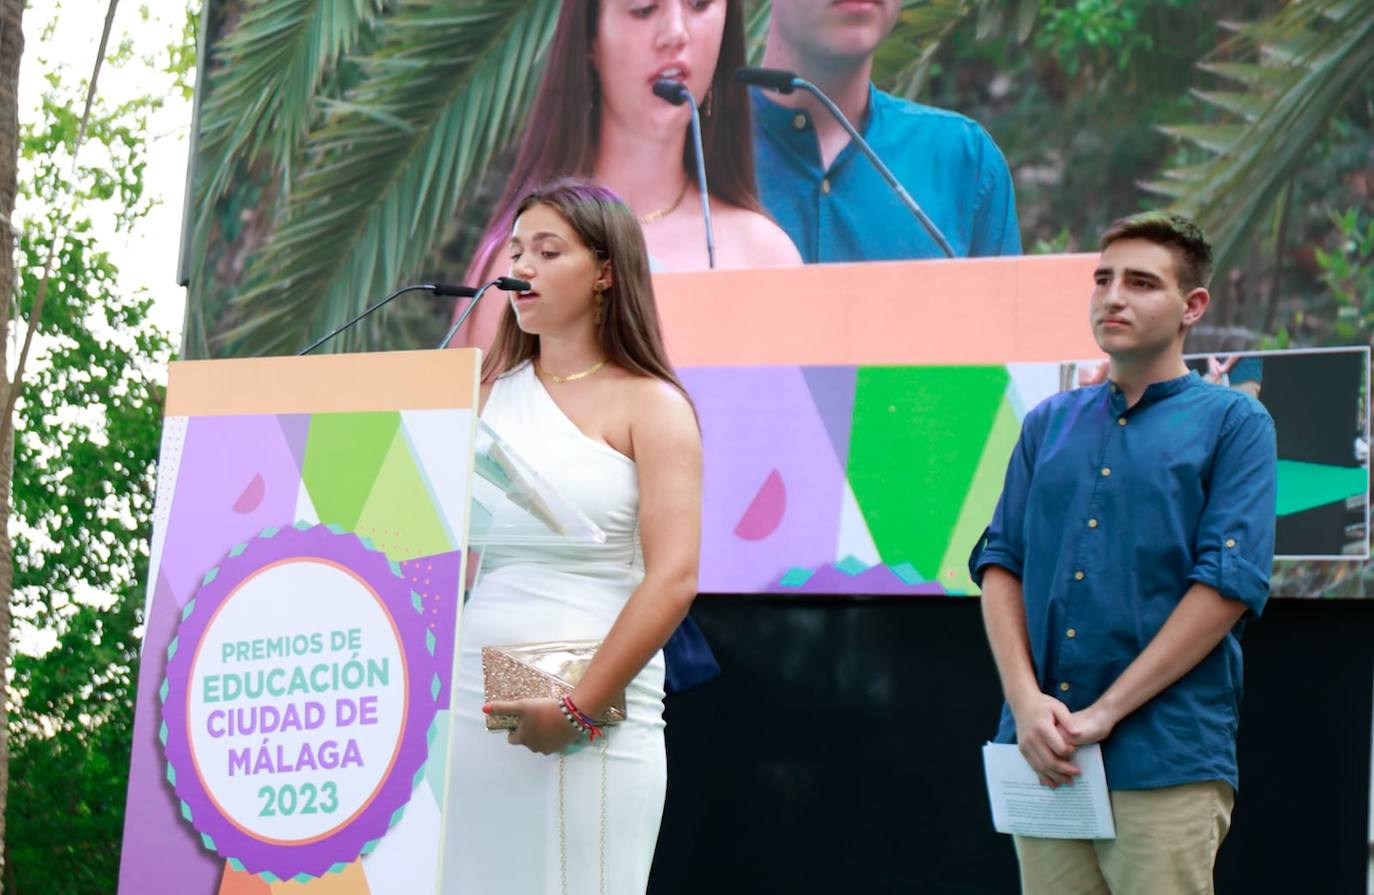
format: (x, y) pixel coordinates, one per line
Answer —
(398, 153)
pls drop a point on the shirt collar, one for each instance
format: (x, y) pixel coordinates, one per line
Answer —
(866, 126)
(1155, 391)
(778, 118)
(767, 111)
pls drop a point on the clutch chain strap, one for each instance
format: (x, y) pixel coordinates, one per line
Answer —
(562, 824)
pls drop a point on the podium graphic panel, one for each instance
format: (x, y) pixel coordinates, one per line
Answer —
(302, 614)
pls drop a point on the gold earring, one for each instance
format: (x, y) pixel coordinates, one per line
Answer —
(706, 106)
(599, 293)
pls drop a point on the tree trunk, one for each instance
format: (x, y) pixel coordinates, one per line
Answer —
(11, 47)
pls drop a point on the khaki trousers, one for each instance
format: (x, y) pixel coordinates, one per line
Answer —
(1166, 843)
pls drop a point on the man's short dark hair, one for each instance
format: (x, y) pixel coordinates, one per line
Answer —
(1192, 254)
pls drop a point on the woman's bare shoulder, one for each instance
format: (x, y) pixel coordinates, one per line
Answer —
(752, 239)
(652, 401)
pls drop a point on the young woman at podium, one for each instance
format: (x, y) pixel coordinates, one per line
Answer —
(578, 383)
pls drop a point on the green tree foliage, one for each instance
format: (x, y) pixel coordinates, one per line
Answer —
(1096, 32)
(1348, 271)
(87, 432)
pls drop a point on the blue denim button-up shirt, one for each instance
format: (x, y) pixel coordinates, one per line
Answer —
(1108, 515)
(947, 162)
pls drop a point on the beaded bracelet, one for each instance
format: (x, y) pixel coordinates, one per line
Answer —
(571, 718)
(580, 719)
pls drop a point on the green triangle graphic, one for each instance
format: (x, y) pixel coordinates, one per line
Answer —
(980, 500)
(916, 442)
(344, 453)
(399, 516)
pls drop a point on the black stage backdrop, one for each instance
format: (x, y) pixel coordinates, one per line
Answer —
(840, 752)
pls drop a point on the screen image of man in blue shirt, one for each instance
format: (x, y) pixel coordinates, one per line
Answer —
(1133, 539)
(823, 191)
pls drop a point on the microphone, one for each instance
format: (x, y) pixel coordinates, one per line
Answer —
(776, 79)
(677, 94)
(506, 284)
(783, 81)
(442, 289)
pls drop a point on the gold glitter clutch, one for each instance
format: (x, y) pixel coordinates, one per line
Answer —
(539, 671)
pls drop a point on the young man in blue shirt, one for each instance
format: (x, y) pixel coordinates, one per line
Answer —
(1133, 538)
(825, 193)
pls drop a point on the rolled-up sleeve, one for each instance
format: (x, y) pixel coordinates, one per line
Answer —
(1235, 536)
(1003, 542)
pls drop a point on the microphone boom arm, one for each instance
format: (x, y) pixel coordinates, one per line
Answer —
(507, 283)
(887, 174)
(676, 93)
(701, 181)
(436, 288)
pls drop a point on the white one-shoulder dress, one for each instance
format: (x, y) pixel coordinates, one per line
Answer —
(503, 832)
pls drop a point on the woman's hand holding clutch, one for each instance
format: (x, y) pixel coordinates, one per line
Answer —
(542, 726)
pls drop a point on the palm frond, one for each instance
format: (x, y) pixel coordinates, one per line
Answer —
(445, 90)
(1248, 106)
(997, 19)
(1216, 138)
(266, 75)
(1246, 74)
(756, 16)
(1297, 68)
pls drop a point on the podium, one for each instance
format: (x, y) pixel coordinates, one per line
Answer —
(314, 522)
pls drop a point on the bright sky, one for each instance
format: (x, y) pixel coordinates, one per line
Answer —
(147, 256)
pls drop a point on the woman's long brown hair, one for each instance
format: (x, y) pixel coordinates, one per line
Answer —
(629, 334)
(562, 131)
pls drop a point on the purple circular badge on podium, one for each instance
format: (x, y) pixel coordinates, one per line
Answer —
(299, 694)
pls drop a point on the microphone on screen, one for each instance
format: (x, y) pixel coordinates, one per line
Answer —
(676, 93)
(783, 81)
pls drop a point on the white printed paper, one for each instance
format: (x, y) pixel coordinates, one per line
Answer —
(1021, 804)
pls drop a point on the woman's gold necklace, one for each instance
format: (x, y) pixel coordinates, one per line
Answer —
(571, 377)
(664, 212)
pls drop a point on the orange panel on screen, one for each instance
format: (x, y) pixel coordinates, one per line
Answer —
(964, 311)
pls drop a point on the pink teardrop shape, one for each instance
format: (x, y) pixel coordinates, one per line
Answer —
(765, 511)
(252, 495)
